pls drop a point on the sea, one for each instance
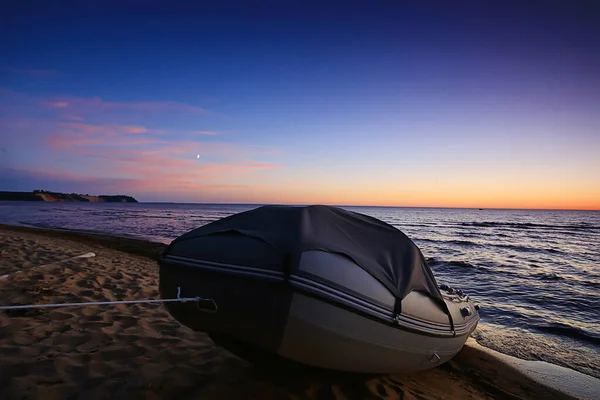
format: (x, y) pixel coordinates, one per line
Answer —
(534, 273)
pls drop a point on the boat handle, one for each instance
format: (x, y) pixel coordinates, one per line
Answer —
(434, 359)
(213, 309)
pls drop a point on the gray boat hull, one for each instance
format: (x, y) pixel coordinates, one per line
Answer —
(329, 314)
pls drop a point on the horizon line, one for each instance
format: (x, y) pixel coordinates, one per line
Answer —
(373, 206)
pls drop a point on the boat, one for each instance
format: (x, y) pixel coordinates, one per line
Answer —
(318, 286)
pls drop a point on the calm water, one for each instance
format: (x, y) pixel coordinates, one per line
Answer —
(536, 274)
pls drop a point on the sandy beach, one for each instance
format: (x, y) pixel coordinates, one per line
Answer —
(139, 351)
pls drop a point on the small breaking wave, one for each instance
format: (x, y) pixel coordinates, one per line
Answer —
(526, 249)
(454, 263)
(529, 225)
(462, 242)
(569, 331)
(548, 276)
(451, 241)
(469, 243)
(592, 284)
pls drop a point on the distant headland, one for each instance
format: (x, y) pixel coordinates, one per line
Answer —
(44, 195)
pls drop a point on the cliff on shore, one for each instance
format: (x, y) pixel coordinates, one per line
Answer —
(43, 195)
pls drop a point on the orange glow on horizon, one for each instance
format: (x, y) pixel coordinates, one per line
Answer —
(356, 197)
(556, 195)
(457, 202)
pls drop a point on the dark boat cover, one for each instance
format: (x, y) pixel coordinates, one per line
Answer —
(274, 237)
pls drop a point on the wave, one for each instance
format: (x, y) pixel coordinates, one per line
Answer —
(510, 271)
(569, 331)
(36, 224)
(452, 241)
(529, 225)
(527, 249)
(592, 284)
(548, 276)
(469, 243)
(463, 242)
(552, 276)
(454, 263)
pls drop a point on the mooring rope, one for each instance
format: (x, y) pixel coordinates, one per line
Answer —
(101, 303)
(86, 255)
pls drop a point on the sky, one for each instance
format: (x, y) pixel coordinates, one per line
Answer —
(425, 104)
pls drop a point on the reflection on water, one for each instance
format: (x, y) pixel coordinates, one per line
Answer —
(535, 273)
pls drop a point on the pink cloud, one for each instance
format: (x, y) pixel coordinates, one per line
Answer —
(56, 104)
(96, 106)
(74, 143)
(57, 142)
(135, 129)
(87, 129)
(92, 105)
(105, 130)
(71, 117)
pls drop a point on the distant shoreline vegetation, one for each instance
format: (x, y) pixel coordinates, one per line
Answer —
(44, 195)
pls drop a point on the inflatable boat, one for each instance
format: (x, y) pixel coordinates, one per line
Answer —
(316, 285)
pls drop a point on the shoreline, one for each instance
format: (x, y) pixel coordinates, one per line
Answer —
(476, 372)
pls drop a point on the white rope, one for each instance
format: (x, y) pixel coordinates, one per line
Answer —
(101, 303)
(86, 255)
(98, 303)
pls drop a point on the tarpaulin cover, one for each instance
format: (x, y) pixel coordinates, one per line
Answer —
(274, 237)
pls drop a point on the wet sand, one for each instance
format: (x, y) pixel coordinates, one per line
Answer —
(139, 351)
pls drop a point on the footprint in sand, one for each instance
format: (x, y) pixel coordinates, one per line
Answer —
(86, 293)
(23, 338)
(85, 283)
(113, 353)
(128, 338)
(59, 316)
(158, 341)
(126, 321)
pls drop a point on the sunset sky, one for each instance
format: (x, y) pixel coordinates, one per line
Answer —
(370, 103)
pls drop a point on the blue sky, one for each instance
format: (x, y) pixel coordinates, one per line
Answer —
(442, 104)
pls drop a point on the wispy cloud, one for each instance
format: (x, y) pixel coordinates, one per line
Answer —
(58, 142)
(71, 117)
(56, 104)
(95, 104)
(96, 107)
(105, 130)
(135, 129)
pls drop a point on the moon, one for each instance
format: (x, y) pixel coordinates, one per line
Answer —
(198, 156)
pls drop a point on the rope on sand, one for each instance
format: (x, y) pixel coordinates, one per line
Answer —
(86, 255)
(101, 303)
